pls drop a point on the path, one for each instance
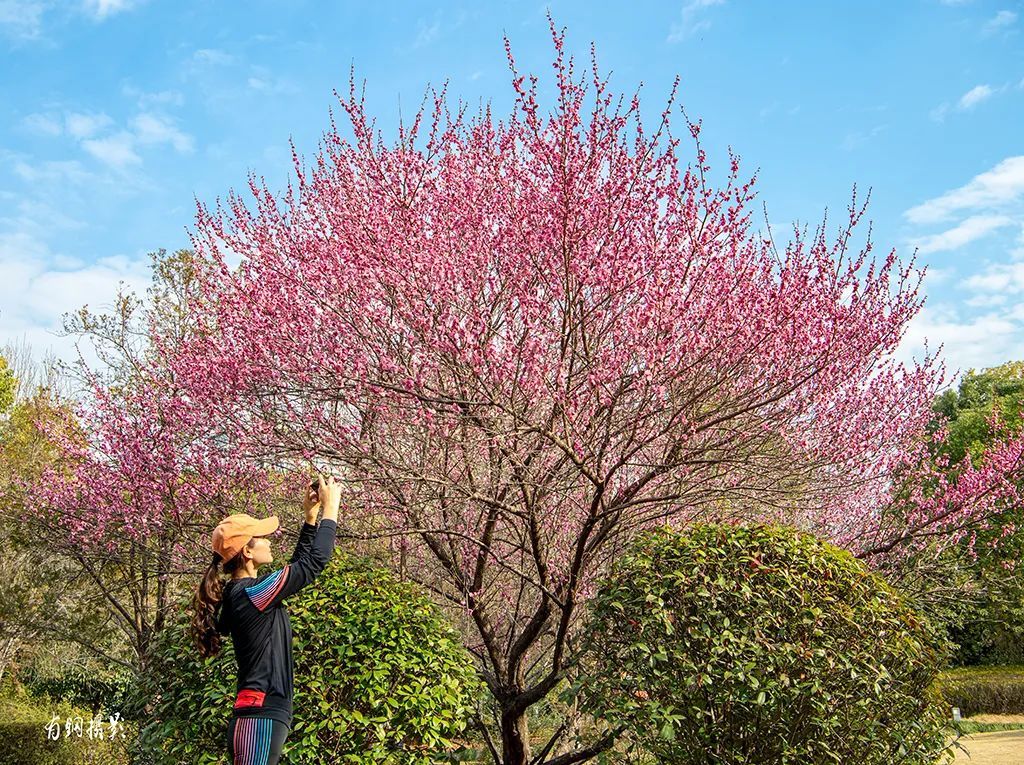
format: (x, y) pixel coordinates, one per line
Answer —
(1000, 748)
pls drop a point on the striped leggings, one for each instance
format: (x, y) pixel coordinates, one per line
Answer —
(256, 740)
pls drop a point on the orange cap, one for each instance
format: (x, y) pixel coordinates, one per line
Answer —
(235, 531)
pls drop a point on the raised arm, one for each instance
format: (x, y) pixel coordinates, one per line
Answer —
(312, 551)
(270, 590)
(310, 506)
(306, 535)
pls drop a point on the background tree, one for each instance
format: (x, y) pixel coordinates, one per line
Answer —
(8, 387)
(134, 485)
(44, 610)
(988, 622)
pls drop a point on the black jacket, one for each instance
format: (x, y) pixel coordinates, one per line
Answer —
(253, 611)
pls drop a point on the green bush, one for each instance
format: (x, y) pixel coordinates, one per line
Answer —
(83, 686)
(184, 703)
(33, 732)
(984, 690)
(387, 674)
(380, 676)
(757, 644)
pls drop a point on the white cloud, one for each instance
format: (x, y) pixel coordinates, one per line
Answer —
(86, 125)
(689, 19)
(37, 216)
(22, 19)
(55, 201)
(858, 138)
(938, 114)
(53, 171)
(976, 342)
(988, 323)
(39, 286)
(1018, 252)
(42, 124)
(223, 80)
(153, 129)
(102, 9)
(974, 96)
(934, 275)
(986, 301)
(212, 56)
(426, 34)
(999, 278)
(1001, 20)
(117, 151)
(146, 99)
(94, 284)
(963, 233)
(1000, 186)
(263, 80)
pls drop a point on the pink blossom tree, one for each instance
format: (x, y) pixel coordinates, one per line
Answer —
(527, 341)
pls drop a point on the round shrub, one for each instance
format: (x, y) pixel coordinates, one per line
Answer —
(380, 676)
(755, 644)
(385, 672)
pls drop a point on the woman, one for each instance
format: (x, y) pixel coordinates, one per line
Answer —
(251, 607)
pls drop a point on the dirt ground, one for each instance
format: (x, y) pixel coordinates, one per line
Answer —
(1001, 748)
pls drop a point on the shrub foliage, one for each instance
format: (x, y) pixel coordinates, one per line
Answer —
(380, 676)
(754, 644)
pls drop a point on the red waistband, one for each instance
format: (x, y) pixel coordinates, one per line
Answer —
(247, 697)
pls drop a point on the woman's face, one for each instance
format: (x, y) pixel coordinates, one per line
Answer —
(259, 550)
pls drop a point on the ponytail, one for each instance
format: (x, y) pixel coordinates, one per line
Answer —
(206, 605)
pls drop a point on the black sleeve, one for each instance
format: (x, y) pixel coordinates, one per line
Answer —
(223, 620)
(305, 540)
(271, 589)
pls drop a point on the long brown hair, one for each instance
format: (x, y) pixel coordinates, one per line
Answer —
(206, 605)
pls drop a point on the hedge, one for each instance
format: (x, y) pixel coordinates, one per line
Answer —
(984, 690)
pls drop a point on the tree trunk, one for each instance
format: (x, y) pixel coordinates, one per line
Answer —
(515, 738)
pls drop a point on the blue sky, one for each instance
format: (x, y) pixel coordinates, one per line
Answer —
(117, 114)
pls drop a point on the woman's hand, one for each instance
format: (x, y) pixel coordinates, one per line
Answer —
(330, 497)
(311, 503)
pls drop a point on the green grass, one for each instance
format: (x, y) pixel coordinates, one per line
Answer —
(967, 727)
